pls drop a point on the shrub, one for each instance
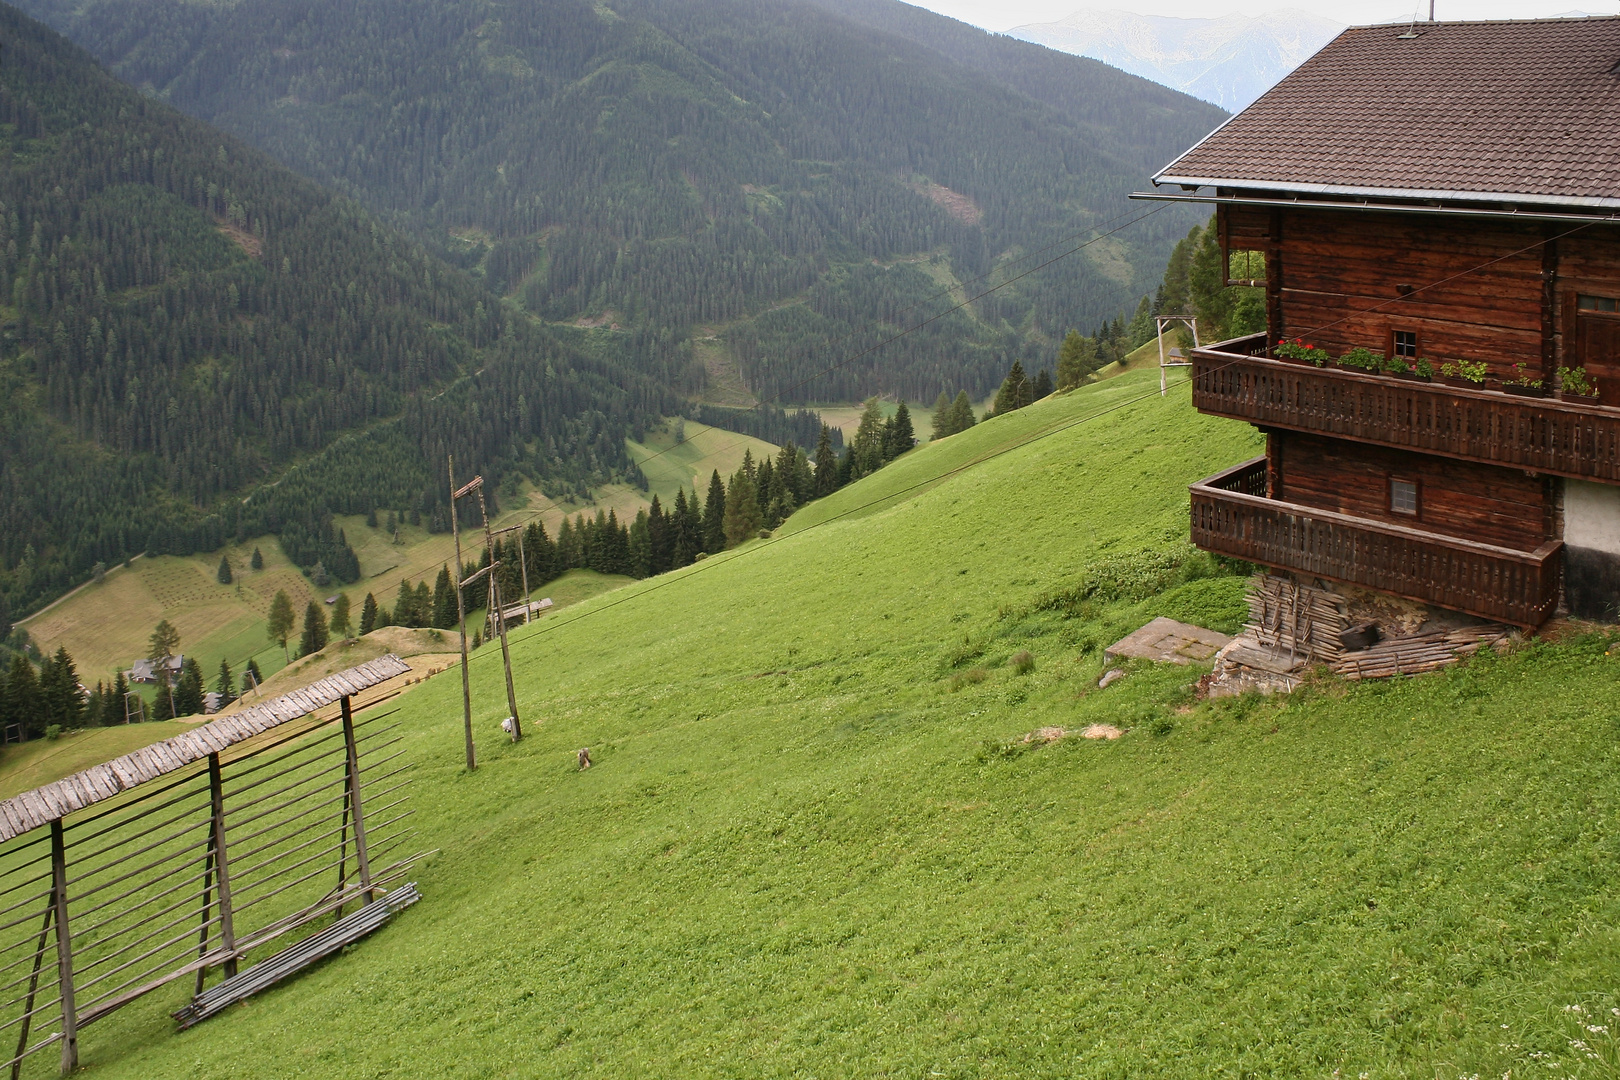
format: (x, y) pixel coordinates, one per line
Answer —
(1362, 359)
(54, 731)
(1022, 662)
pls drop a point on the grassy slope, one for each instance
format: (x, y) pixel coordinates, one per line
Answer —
(801, 853)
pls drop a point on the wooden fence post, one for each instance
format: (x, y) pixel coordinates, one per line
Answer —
(352, 769)
(222, 874)
(64, 950)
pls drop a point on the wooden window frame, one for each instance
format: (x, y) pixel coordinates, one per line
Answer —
(1417, 340)
(1416, 513)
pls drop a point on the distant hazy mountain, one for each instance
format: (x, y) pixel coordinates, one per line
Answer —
(1230, 60)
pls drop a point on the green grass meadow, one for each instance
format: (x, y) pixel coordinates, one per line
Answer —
(815, 842)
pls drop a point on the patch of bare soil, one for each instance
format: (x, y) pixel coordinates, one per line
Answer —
(954, 203)
(243, 239)
(1045, 735)
(1101, 731)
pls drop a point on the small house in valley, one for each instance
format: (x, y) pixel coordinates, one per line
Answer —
(1438, 210)
(146, 671)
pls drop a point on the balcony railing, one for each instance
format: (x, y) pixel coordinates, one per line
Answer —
(1231, 516)
(1546, 435)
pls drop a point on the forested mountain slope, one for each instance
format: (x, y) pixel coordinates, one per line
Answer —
(183, 317)
(774, 172)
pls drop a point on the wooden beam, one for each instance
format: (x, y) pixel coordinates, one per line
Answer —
(352, 771)
(64, 950)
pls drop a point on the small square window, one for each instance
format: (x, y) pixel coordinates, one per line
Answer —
(1406, 343)
(1597, 303)
(1403, 497)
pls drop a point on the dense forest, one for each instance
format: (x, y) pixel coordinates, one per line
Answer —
(184, 319)
(799, 178)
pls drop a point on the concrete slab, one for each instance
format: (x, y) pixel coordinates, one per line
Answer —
(1170, 642)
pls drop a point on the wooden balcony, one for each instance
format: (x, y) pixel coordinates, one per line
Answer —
(1232, 516)
(1545, 435)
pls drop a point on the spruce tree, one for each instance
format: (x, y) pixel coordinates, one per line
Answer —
(742, 517)
(161, 645)
(368, 614)
(112, 709)
(405, 605)
(444, 600)
(60, 696)
(95, 706)
(162, 706)
(188, 689)
(826, 464)
(314, 639)
(257, 562)
(339, 622)
(942, 417)
(540, 553)
(684, 546)
(224, 571)
(962, 412)
(225, 683)
(1014, 391)
(27, 708)
(1043, 385)
(281, 620)
(660, 539)
(422, 604)
(899, 435)
(867, 448)
(639, 557)
(371, 518)
(714, 516)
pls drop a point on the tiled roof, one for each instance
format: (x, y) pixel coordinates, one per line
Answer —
(1523, 108)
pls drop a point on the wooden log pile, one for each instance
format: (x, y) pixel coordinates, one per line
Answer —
(1297, 619)
(1420, 652)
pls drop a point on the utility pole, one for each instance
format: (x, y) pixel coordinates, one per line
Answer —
(461, 616)
(500, 619)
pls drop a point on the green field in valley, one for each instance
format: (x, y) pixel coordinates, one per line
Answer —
(816, 841)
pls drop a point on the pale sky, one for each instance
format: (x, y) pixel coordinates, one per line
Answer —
(1005, 14)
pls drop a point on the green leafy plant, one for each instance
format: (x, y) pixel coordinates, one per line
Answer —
(1422, 368)
(1523, 378)
(1575, 381)
(1022, 662)
(1300, 349)
(1362, 359)
(1462, 369)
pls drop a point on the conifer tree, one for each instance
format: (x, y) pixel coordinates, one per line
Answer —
(867, 450)
(161, 645)
(684, 546)
(962, 412)
(27, 708)
(422, 604)
(742, 516)
(405, 605)
(188, 689)
(257, 562)
(339, 621)
(694, 525)
(95, 706)
(639, 556)
(368, 614)
(660, 539)
(540, 553)
(898, 434)
(1140, 331)
(444, 600)
(714, 516)
(314, 639)
(1014, 392)
(252, 670)
(1043, 385)
(112, 708)
(162, 707)
(224, 571)
(826, 464)
(567, 547)
(225, 683)
(764, 477)
(281, 620)
(60, 696)
(942, 417)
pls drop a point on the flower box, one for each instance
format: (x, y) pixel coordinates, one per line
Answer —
(1461, 383)
(1524, 391)
(1579, 399)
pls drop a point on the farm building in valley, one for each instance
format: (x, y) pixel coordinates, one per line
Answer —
(1438, 207)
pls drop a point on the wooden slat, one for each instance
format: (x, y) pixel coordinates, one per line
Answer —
(32, 809)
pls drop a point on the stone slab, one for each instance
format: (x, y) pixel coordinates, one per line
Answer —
(1170, 642)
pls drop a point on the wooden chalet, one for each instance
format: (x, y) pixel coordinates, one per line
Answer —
(1441, 192)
